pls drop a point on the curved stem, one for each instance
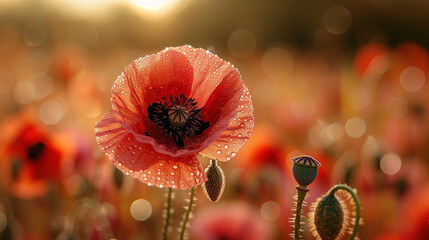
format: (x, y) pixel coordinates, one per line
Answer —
(355, 199)
(187, 213)
(301, 196)
(167, 214)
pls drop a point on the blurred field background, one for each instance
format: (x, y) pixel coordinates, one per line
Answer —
(343, 81)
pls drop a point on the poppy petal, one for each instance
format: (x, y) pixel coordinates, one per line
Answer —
(139, 159)
(209, 71)
(237, 131)
(145, 81)
(227, 103)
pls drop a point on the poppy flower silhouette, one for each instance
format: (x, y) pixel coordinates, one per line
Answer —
(170, 106)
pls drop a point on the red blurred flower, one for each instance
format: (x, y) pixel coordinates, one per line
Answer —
(29, 158)
(233, 220)
(370, 58)
(170, 106)
(262, 150)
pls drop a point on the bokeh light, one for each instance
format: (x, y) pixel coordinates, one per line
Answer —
(390, 164)
(51, 112)
(22, 92)
(270, 211)
(141, 209)
(40, 85)
(337, 19)
(412, 79)
(355, 127)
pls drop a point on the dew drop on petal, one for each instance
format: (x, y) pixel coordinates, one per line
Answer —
(219, 152)
(226, 146)
(175, 167)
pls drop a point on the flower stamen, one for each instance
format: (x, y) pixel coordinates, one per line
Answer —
(178, 117)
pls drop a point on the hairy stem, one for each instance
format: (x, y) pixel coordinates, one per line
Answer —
(167, 214)
(355, 199)
(301, 196)
(187, 213)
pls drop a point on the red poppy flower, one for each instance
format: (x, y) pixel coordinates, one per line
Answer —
(29, 158)
(170, 106)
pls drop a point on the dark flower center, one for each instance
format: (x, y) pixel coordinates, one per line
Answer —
(178, 117)
(34, 151)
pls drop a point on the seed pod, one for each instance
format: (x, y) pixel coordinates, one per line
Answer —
(328, 217)
(304, 170)
(215, 184)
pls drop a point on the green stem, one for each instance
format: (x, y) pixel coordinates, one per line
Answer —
(302, 191)
(167, 215)
(355, 199)
(187, 213)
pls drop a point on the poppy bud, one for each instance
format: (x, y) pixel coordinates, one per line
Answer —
(304, 170)
(215, 184)
(328, 217)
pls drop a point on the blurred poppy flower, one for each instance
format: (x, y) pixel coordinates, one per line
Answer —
(233, 220)
(371, 58)
(262, 150)
(29, 158)
(170, 106)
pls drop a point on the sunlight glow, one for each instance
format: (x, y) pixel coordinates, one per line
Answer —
(152, 4)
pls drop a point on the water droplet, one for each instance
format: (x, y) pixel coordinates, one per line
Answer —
(175, 167)
(219, 152)
(239, 135)
(226, 146)
(228, 158)
(233, 154)
(172, 173)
